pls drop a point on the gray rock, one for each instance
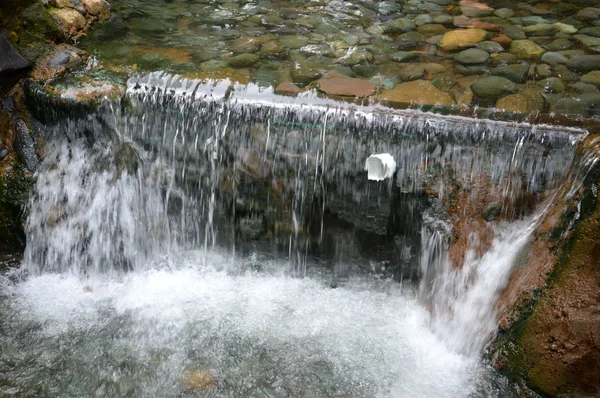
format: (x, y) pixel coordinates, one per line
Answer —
(542, 29)
(470, 70)
(559, 45)
(587, 41)
(423, 19)
(593, 31)
(4, 151)
(584, 63)
(564, 104)
(493, 87)
(10, 60)
(402, 56)
(553, 58)
(588, 13)
(543, 71)
(410, 38)
(471, 56)
(490, 46)
(552, 85)
(411, 72)
(66, 58)
(24, 146)
(514, 32)
(504, 13)
(582, 87)
(491, 211)
(516, 72)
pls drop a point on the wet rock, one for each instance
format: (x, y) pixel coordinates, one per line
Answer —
(565, 104)
(469, 70)
(432, 30)
(565, 73)
(67, 58)
(354, 57)
(287, 88)
(582, 87)
(365, 70)
(25, 147)
(4, 151)
(494, 87)
(514, 32)
(490, 46)
(588, 14)
(503, 59)
(245, 45)
(423, 19)
(463, 95)
(432, 69)
(471, 56)
(272, 49)
(528, 101)
(461, 39)
(212, 65)
(552, 85)
(543, 71)
(584, 63)
(409, 39)
(559, 45)
(293, 42)
(70, 21)
(402, 56)
(542, 29)
(411, 72)
(554, 58)
(418, 92)
(504, 13)
(335, 84)
(592, 77)
(444, 82)
(251, 227)
(97, 8)
(305, 71)
(593, 31)
(526, 49)
(516, 72)
(565, 28)
(75, 4)
(243, 60)
(474, 9)
(11, 62)
(587, 41)
(491, 211)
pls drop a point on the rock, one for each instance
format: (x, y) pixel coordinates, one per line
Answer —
(243, 60)
(97, 8)
(491, 211)
(542, 29)
(559, 44)
(464, 22)
(418, 92)
(584, 63)
(474, 9)
(516, 72)
(542, 71)
(287, 88)
(410, 39)
(565, 104)
(293, 42)
(423, 19)
(502, 39)
(250, 227)
(212, 65)
(70, 21)
(461, 39)
(334, 83)
(4, 151)
(593, 31)
(554, 58)
(10, 60)
(444, 82)
(504, 13)
(588, 14)
(272, 49)
(67, 58)
(503, 59)
(25, 147)
(471, 56)
(592, 77)
(197, 380)
(494, 87)
(565, 28)
(514, 32)
(581, 87)
(432, 69)
(528, 101)
(490, 46)
(526, 49)
(411, 72)
(305, 71)
(552, 85)
(587, 41)
(462, 95)
(565, 73)
(355, 56)
(38, 21)
(402, 56)
(75, 4)
(245, 45)
(432, 30)
(469, 70)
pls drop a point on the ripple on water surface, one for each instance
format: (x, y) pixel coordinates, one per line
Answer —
(247, 335)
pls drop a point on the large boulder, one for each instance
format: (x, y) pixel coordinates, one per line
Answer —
(70, 21)
(461, 39)
(12, 66)
(494, 87)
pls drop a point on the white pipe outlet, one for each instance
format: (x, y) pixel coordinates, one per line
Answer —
(380, 166)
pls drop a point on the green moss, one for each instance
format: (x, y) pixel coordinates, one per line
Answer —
(15, 188)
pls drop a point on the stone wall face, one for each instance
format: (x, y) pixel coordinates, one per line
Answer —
(549, 338)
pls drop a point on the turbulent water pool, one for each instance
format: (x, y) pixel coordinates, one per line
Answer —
(197, 239)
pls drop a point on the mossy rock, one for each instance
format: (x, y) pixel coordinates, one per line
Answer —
(37, 21)
(15, 187)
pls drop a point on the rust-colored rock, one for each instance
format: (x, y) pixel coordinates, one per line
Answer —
(461, 39)
(528, 100)
(287, 88)
(418, 92)
(336, 84)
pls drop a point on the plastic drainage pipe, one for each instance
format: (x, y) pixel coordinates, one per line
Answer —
(380, 166)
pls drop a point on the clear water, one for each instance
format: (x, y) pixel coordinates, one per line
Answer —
(135, 277)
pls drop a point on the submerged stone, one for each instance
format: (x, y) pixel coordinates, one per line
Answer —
(471, 56)
(335, 84)
(526, 49)
(592, 77)
(70, 21)
(243, 60)
(517, 72)
(418, 92)
(494, 87)
(461, 39)
(287, 88)
(552, 85)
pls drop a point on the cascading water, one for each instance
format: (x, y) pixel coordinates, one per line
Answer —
(146, 266)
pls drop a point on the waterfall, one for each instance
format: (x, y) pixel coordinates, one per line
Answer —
(207, 226)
